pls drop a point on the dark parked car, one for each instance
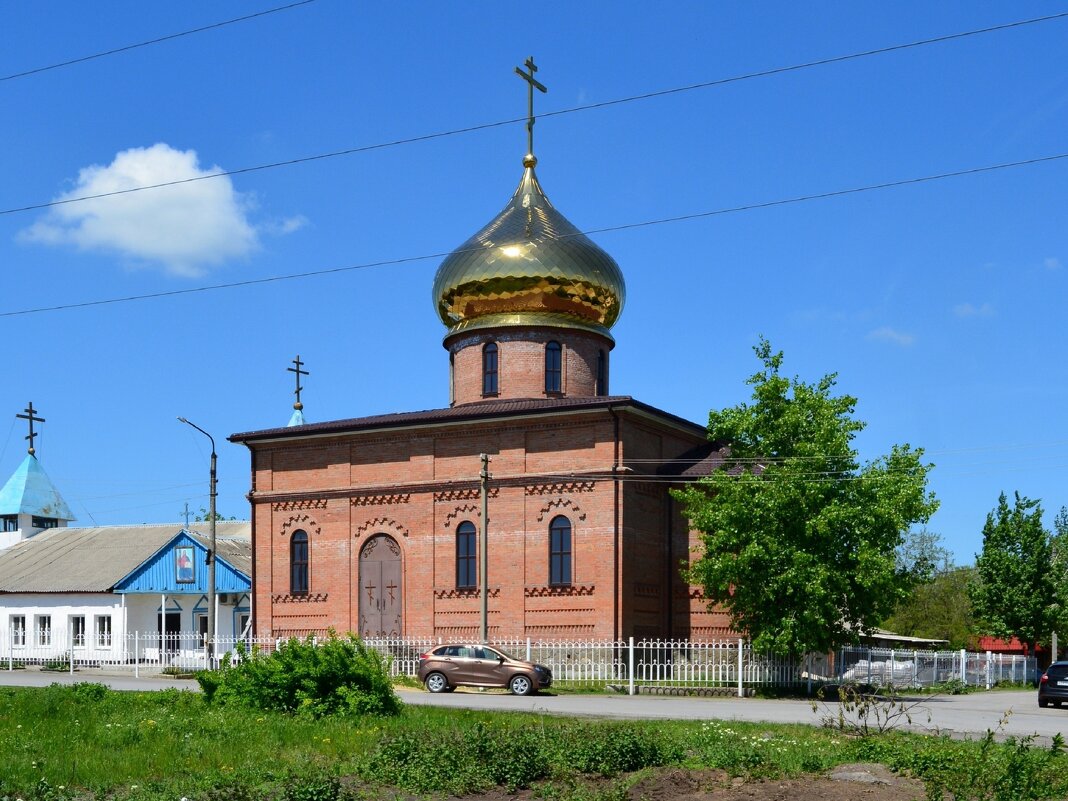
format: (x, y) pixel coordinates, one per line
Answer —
(446, 667)
(1053, 685)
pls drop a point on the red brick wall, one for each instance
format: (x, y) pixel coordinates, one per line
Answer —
(417, 486)
(521, 363)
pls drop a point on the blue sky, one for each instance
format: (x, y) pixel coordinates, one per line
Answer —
(940, 306)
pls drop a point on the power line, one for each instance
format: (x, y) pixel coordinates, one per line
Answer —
(622, 227)
(157, 40)
(560, 112)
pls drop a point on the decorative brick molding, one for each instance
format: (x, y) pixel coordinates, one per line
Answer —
(305, 522)
(463, 494)
(695, 593)
(560, 487)
(649, 488)
(559, 505)
(381, 524)
(646, 590)
(466, 510)
(494, 592)
(570, 628)
(553, 592)
(381, 500)
(310, 598)
(299, 506)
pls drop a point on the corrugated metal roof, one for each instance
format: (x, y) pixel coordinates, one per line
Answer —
(30, 491)
(94, 559)
(480, 410)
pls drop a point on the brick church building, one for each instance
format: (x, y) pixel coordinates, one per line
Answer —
(372, 524)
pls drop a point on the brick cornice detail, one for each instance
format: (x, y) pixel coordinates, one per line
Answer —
(381, 500)
(323, 494)
(494, 592)
(311, 598)
(647, 590)
(381, 524)
(300, 522)
(299, 505)
(559, 487)
(555, 592)
(465, 494)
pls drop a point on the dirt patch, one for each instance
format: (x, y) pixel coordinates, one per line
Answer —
(860, 782)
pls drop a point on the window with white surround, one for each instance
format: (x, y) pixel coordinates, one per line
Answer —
(202, 628)
(18, 630)
(77, 631)
(103, 631)
(44, 629)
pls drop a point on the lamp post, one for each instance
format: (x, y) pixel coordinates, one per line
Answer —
(211, 549)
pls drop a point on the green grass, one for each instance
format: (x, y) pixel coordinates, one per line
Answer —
(85, 742)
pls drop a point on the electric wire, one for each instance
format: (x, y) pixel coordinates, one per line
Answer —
(157, 40)
(606, 229)
(559, 112)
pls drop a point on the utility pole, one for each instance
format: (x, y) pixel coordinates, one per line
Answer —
(212, 492)
(483, 549)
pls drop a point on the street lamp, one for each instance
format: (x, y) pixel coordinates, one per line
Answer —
(211, 549)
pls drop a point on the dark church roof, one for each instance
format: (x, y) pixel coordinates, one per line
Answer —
(468, 412)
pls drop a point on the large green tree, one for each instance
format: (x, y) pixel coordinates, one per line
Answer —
(1015, 592)
(799, 537)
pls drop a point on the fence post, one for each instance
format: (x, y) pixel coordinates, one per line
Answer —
(741, 667)
(11, 650)
(963, 667)
(893, 668)
(915, 668)
(988, 670)
(137, 661)
(869, 666)
(1014, 668)
(70, 641)
(528, 649)
(630, 666)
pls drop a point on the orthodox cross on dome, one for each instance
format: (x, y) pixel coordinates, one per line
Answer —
(30, 416)
(297, 373)
(532, 84)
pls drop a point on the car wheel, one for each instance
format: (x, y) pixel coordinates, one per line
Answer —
(1042, 702)
(436, 683)
(521, 685)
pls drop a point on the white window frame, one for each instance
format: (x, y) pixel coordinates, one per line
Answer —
(200, 626)
(18, 631)
(42, 629)
(77, 632)
(102, 629)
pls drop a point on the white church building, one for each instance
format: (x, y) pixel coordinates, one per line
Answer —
(120, 595)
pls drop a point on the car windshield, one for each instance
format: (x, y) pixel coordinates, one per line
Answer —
(1057, 671)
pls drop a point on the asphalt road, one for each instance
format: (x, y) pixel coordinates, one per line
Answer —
(1007, 713)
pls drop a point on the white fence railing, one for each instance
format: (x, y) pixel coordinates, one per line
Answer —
(628, 665)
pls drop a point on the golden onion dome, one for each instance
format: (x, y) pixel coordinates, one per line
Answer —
(529, 266)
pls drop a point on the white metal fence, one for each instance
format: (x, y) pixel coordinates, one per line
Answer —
(727, 666)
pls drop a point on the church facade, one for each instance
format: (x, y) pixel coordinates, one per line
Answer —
(372, 524)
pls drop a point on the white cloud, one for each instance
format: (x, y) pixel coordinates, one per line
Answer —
(887, 334)
(285, 226)
(1052, 264)
(185, 228)
(971, 310)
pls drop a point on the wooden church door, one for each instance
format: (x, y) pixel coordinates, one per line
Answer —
(380, 588)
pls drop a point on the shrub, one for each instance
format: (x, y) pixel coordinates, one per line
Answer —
(613, 748)
(336, 676)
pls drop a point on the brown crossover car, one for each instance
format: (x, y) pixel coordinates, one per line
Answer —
(446, 667)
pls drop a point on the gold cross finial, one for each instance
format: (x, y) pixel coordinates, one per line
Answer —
(298, 373)
(532, 83)
(31, 417)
